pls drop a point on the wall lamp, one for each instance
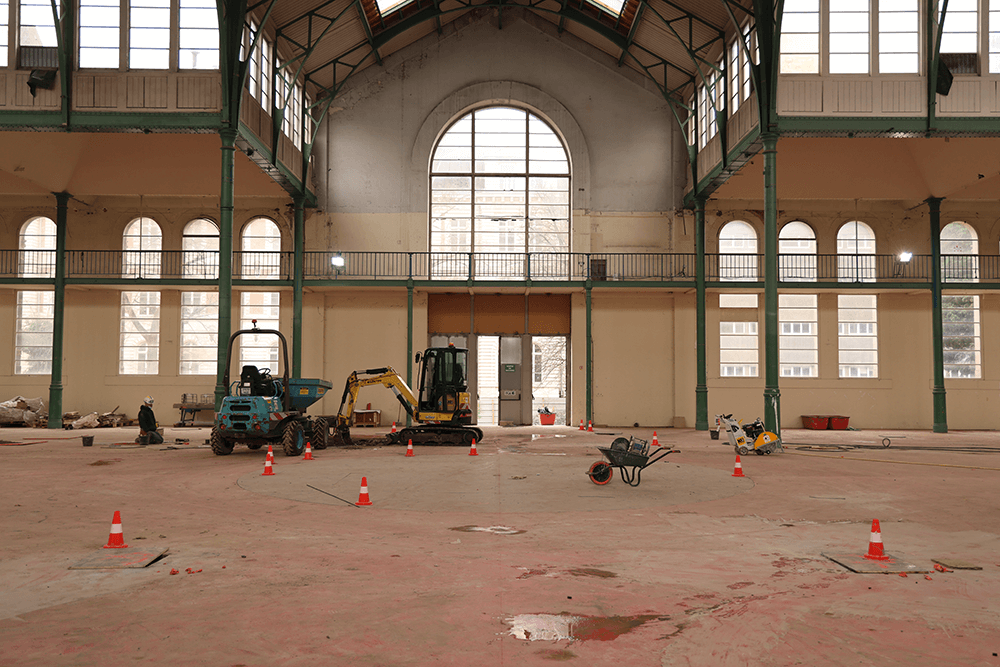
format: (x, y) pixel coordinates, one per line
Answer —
(337, 261)
(905, 256)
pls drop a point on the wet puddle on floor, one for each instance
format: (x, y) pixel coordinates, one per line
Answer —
(496, 530)
(556, 627)
(539, 436)
(576, 572)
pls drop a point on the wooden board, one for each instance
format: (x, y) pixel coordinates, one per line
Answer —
(119, 559)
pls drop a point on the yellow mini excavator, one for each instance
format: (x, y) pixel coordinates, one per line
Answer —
(442, 408)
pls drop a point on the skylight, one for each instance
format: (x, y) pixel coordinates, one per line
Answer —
(386, 6)
(613, 6)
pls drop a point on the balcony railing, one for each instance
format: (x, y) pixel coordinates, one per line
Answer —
(430, 266)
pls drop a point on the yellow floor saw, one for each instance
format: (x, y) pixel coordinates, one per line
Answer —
(752, 437)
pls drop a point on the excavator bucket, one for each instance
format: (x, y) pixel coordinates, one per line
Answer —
(342, 437)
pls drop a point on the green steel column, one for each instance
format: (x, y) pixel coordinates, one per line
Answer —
(58, 310)
(409, 339)
(772, 395)
(300, 236)
(701, 390)
(226, 198)
(940, 408)
(590, 354)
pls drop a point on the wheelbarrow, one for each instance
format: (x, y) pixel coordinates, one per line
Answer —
(630, 456)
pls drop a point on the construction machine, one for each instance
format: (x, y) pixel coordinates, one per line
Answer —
(441, 408)
(261, 410)
(749, 438)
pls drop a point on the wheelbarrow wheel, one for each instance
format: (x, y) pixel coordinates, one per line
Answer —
(601, 472)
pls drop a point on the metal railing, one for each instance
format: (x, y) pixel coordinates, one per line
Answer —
(453, 266)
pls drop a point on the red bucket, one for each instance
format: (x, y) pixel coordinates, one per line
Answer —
(815, 422)
(546, 420)
(839, 422)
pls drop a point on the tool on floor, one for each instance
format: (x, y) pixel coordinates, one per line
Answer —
(116, 540)
(630, 456)
(752, 437)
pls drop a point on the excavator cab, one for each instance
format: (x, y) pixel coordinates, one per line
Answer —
(443, 376)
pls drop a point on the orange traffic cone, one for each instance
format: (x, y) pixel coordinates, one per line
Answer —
(738, 471)
(117, 538)
(363, 498)
(875, 549)
(590, 426)
(268, 469)
(582, 428)
(472, 450)
(309, 452)
(656, 443)
(409, 447)
(393, 427)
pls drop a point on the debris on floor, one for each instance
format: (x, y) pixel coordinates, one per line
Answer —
(21, 411)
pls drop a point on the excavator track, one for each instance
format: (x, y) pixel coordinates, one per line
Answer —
(437, 434)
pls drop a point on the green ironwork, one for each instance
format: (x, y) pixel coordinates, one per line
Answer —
(934, 57)
(226, 197)
(590, 350)
(409, 341)
(58, 312)
(64, 22)
(937, 317)
(632, 30)
(701, 388)
(300, 236)
(772, 394)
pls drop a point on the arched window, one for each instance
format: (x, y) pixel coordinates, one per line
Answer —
(37, 244)
(797, 253)
(261, 256)
(855, 253)
(200, 245)
(500, 187)
(142, 243)
(961, 335)
(959, 253)
(737, 252)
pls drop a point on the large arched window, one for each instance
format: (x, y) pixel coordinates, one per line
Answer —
(961, 335)
(959, 253)
(261, 256)
(35, 308)
(855, 253)
(500, 187)
(200, 246)
(142, 243)
(797, 253)
(737, 252)
(37, 244)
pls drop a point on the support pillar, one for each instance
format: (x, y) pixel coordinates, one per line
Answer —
(940, 406)
(299, 222)
(226, 198)
(590, 352)
(701, 389)
(58, 311)
(409, 338)
(772, 395)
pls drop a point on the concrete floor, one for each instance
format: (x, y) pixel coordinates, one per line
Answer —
(490, 560)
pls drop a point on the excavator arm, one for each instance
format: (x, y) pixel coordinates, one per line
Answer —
(387, 377)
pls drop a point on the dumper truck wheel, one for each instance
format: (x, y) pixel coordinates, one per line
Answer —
(220, 445)
(292, 440)
(320, 435)
(601, 472)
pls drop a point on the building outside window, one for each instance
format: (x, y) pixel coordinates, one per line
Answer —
(199, 345)
(33, 324)
(738, 252)
(961, 326)
(142, 243)
(797, 253)
(798, 339)
(261, 256)
(855, 253)
(857, 336)
(200, 250)
(139, 348)
(738, 340)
